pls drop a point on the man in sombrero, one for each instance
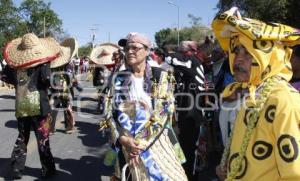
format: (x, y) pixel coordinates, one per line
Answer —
(30, 56)
(265, 139)
(62, 83)
(101, 56)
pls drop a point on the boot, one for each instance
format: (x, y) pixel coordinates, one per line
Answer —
(16, 174)
(70, 122)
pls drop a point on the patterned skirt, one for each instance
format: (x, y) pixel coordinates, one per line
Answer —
(163, 154)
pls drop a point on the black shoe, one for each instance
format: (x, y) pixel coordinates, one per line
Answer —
(16, 174)
(48, 173)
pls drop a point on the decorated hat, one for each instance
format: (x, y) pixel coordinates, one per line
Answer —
(102, 54)
(268, 44)
(68, 49)
(122, 42)
(30, 51)
(226, 24)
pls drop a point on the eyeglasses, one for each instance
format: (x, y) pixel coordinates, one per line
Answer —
(133, 48)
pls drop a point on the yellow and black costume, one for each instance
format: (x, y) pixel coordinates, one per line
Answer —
(266, 137)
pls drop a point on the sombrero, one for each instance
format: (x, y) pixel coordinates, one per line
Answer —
(102, 54)
(30, 51)
(69, 48)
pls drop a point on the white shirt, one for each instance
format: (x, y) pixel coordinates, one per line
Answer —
(137, 92)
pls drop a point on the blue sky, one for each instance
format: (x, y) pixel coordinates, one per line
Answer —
(118, 17)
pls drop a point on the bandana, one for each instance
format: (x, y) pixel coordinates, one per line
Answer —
(268, 43)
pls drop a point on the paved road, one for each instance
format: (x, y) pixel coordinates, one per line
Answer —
(78, 156)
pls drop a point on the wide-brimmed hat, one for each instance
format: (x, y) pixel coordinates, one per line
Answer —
(30, 51)
(68, 49)
(102, 54)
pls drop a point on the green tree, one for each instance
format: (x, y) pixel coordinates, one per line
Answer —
(194, 21)
(280, 11)
(33, 13)
(29, 17)
(196, 32)
(161, 36)
(292, 17)
(10, 23)
(84, 50)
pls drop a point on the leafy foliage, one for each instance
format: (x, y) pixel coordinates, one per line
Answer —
(197, 32)
(29, 17)
(279, 11)
(33, 13)
(10, 23)
(84, 50)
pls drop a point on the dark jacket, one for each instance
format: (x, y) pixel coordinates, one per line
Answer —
(36, 79)
(189, 75)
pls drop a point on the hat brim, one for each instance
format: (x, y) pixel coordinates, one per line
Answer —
(109, 48)
(20, 58)
(69, 48)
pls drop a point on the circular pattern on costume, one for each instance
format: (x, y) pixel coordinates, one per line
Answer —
(270, 113)
(264, 46)
(222, 16)
(248, 112)
(288, 148)
(261, 150)
(242, 171)
(232, 20)
(244, 26)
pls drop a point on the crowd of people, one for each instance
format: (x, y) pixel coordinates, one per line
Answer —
(215, 110)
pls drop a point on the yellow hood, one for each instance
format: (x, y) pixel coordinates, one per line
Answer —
(268, 43)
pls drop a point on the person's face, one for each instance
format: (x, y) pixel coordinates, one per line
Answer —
(160, 60)
(116, 58)
(135, 54)
(242, 64)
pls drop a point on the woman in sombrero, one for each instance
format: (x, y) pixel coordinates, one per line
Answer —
(31, 57)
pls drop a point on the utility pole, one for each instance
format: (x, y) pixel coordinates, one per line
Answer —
(93, 35)
(44, 26)
(173, 4)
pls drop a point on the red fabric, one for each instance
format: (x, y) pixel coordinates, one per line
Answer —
(153, 56)
(201, 56)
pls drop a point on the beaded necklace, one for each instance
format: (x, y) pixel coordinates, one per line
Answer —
(254, 115)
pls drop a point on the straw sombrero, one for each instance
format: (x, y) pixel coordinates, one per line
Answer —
(30, 51)
(69, 48)
(102, 54)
